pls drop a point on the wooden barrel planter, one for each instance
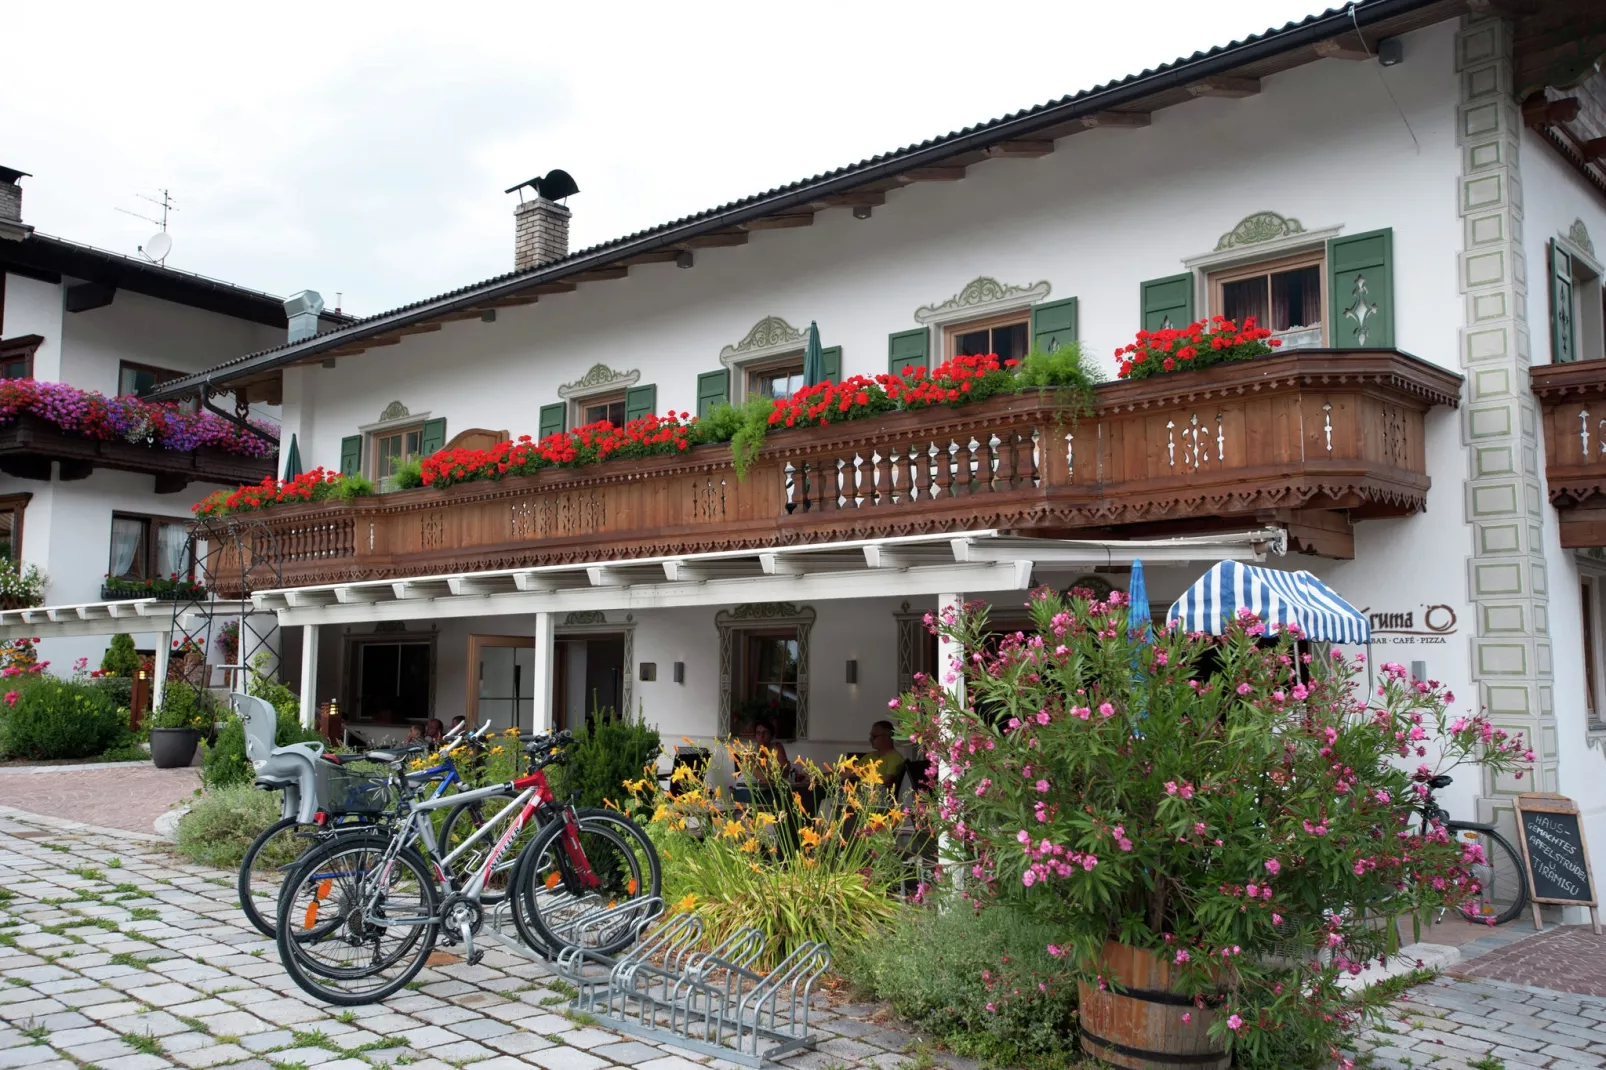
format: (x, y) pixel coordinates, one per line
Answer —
(1141, 1028)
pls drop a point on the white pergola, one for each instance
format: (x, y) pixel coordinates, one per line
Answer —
(947, 566)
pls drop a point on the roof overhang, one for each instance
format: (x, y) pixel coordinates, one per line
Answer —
(905, 566)
(1234, 70)
(88, 618)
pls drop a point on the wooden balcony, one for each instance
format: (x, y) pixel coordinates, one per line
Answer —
(28, 445)
(1313, 440)
(1572, 403)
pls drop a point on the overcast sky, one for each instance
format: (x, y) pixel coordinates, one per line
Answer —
(362, 148)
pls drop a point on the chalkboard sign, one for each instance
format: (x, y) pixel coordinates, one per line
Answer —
(1555, 853)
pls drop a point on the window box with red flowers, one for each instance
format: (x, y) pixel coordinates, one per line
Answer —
(1201, 344)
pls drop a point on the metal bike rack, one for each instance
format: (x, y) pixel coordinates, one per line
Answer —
(712, 1002)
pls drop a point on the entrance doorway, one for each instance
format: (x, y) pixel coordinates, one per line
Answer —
(393, 679)
(499, 687)
(588, 673)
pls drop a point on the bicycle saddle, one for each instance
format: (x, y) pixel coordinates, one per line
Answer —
(394, 754)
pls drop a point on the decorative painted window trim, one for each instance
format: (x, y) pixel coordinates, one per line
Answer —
(770, 337)
(595, 622)
(601, 379)
(396, 415)
(1258, 227)
(1268, 249)
(982, 297)
(1578, 234)
(763, 617)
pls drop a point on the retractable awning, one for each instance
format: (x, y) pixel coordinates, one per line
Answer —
(1278, 598)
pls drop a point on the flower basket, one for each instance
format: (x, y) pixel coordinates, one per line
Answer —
(16, 601)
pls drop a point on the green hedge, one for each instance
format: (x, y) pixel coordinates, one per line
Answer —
(54, 718)
(607, 752)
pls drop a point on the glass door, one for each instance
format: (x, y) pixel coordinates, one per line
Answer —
(499, 689)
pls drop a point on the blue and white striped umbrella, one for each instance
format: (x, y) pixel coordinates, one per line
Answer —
(1278, 598)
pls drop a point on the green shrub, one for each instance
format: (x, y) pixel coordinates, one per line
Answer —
(223, 761)
(118, 689)
(983, 983)
(409, 474)
(120, 659)
(223, 822)
(184, 706)
(607, 752)
(54, 718)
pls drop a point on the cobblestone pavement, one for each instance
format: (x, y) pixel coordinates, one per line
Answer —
(115, 955)
(1570, 959)
(128, 795)
(1488, 1025)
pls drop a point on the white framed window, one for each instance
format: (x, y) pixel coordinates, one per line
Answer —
(778, 377)
(609, 407)
(1007, 335)
(1577, 303)
(391, 448)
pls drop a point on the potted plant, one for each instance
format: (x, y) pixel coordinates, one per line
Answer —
(1217, 826)
(21, 587)
(177, 725)
(1200, 344)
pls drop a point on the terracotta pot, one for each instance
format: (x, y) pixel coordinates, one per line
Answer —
(173, 748)
(1141, 1028)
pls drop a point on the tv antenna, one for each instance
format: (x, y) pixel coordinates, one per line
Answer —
(158, 245)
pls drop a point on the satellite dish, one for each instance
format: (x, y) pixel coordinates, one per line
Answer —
(157, 246)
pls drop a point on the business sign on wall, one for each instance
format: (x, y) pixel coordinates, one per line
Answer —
(1423, 625)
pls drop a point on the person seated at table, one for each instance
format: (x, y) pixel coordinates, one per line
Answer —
(768, 748)
(434, 732)
(415, 734)
(459, 721)
(887, 756)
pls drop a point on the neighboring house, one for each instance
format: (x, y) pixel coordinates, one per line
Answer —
(1407, 191)
(87, 510)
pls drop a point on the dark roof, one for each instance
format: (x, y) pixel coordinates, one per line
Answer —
(1237, 56)
(51, 259)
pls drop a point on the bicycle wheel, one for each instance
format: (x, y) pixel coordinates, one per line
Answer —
(354, 924)
(636, 839)
(462, 822)
(263, 869)
(1503, 888)
(570, 890)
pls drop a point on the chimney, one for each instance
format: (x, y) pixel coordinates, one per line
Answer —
(540, 233)
(301, 310)
(11, 224)
(541, 225)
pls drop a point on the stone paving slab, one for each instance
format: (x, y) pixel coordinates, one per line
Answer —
(137, 791)
(1568, 958)
(119, 956)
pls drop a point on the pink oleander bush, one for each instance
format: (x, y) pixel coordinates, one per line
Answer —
(1226, 803)
(128, 419)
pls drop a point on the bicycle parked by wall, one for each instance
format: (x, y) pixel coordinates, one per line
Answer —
(360, 912)
(1503, 885)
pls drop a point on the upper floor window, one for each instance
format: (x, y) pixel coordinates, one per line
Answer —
(1008, 336)
(149, 548)
(1285, 296)
(394, 447)
(609, 407)
(1577, 306)
(138, 378)
(780, 378)
(11, 510)
(16, 356)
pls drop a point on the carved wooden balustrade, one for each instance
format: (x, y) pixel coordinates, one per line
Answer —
(1572, 404)
(1312, 439)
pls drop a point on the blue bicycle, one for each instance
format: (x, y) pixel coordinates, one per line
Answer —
(273, 853)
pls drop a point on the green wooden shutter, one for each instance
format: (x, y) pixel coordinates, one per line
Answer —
(1360, 276)
(831, 360)
(351, 455)
(433, 438)
(1053, 325)
(713, 388)
(1167, 302)
(1563, 340)
(908, 347)
(552, 419)
(640, 401)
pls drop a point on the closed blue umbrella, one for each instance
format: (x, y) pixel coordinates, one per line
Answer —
(1138, 592)
(813, 358)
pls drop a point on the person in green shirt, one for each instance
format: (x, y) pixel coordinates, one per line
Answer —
(886, 755)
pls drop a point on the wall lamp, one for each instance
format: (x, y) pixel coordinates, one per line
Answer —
(685, 259)
(853, 671)
(861, 211)
(680, 672)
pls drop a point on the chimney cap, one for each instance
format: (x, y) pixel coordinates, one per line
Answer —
(555, 185)
(11, 174)
(304, 303)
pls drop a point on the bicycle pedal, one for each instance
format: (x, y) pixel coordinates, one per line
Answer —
(474, 957)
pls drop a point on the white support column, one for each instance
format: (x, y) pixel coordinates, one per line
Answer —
(950, 673)
(541, 673)
(309, 675)
(164, 647)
